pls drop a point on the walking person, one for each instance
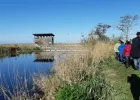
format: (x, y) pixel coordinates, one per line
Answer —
(135, 51)
(126, 53)
(116, 46)
(121, 48)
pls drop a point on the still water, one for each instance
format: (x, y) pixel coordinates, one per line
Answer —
(23, 67)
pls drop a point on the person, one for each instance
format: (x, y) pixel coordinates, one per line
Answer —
(116, 46)
(121, 48)
(135, 51)
(126, 53)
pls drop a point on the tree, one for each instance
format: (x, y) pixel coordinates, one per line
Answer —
(101, 30)
(126, 24)
(97, 34)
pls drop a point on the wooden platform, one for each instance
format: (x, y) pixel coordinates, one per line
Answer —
(63, 50)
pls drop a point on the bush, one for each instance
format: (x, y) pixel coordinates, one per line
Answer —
(90, 88)
(37, 48)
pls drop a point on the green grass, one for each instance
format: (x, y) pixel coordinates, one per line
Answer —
(118, 74)
(89, 88)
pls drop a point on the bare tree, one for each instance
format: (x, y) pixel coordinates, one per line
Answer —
(126, 24)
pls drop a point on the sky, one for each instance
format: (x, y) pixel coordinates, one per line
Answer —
(67, 19)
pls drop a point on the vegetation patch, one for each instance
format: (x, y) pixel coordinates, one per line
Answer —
(89, 88)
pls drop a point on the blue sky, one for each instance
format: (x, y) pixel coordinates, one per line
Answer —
(67, 19)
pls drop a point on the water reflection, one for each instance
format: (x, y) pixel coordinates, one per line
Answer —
(13, 54)
(44, 57)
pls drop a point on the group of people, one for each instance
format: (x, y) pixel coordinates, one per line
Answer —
(127, 52)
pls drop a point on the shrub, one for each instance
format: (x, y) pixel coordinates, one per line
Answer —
(89, 88)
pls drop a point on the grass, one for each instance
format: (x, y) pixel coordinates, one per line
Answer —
(89, 88)
(118, 74)
(78, 70)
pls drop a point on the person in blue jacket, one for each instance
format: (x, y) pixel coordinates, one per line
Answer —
(121, 48)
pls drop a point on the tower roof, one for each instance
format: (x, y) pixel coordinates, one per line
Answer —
(43, 34)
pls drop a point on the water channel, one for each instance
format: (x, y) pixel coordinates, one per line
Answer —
(16, 70)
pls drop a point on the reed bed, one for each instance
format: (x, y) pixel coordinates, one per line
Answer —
(6, 47)
(74, 70)
(16, 49)
(18, 45)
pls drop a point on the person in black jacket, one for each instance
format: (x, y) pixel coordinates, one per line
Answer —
(135, 51)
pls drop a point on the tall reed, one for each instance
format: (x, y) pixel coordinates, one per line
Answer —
(76, 67)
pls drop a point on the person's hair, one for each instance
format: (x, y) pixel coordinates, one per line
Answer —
(121, 42)
(138, 34)
(128, 42)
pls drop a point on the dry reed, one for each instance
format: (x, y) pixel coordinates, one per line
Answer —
(73, 66)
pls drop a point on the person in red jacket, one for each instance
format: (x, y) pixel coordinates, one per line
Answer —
(126, 53)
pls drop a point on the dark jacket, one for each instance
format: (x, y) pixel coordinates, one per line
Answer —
(135, 49)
